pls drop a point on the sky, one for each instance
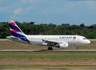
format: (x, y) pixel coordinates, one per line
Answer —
(49, 11)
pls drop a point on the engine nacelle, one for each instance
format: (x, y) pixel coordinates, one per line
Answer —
(45, 44)
(63, 45)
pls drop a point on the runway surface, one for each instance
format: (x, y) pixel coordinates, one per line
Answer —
(47, 51)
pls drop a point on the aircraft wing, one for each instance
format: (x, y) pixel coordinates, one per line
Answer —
(59, 44)
(52, 42)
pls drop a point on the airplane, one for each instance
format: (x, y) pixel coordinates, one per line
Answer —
(59, 41)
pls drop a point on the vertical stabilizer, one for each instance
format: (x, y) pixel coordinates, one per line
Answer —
(16, 31)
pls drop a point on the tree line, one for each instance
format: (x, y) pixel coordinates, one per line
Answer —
(31, 28)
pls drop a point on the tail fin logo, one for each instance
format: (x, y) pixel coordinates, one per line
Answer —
(13, 25)
(17, 32)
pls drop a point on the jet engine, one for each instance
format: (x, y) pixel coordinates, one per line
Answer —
(45, 44)
(62, 45)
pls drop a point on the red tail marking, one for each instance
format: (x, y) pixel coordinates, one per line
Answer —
(12, 23)
(14, 31)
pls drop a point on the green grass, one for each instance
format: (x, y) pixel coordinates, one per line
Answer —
(45, 57)
(16, 45)
(50, 56)
(40, 67)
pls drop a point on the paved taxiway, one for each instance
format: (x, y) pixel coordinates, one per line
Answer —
(47, 51)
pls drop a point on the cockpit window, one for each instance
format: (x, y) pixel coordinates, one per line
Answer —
(84, 38)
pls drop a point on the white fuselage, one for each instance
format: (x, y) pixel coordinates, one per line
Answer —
(70, 39)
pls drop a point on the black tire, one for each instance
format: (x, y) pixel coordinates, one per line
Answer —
(50, 48)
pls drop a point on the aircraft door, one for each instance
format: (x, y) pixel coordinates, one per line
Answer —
(75, 40)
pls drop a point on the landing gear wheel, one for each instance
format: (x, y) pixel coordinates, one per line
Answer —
(50, 48)
(77, 47)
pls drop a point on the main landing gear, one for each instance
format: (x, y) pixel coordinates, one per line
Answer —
(50, 48)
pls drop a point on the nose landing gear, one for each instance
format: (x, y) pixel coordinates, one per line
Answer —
(77, 47)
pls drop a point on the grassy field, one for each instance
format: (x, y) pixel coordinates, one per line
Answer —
(6, 44)
(50, 56)
(45, 60)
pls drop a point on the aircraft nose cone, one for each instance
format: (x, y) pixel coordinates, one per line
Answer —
(88, 42)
